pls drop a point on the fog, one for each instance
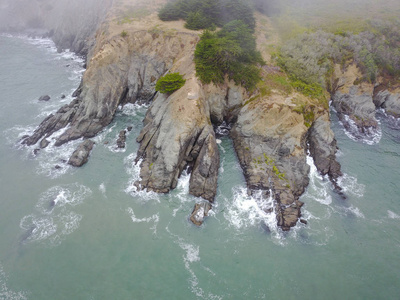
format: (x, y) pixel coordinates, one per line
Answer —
(48, 14)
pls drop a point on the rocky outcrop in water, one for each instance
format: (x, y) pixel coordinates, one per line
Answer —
(81, 154)
(387, 100)
(269, 134)
(270, 142)
(44, 98)
(199, 212)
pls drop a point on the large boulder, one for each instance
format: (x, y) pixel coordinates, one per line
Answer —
(81, 154)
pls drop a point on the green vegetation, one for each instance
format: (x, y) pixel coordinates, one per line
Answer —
(309, 58)
(230, 51)
(270, 162)
(124, 34)
(170, 83)
(207, 14)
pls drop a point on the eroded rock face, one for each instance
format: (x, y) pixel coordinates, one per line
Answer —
(322, 146)
(81, 154)
(178, 133)
(270, 142)
(120, 70)
(358, 106)
(389, 101)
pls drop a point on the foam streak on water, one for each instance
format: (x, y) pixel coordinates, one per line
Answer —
(191, 256)
(54, 218)
(154, 218)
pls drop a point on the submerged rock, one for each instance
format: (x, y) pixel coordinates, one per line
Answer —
(200, 211)
(81, 154)
(44, 98)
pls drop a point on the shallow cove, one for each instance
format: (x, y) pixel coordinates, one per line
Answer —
(103, 240)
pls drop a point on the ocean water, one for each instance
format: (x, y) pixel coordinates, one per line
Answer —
(88, 234)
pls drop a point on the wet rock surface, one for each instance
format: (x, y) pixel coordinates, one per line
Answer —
(200, 211)
(81, 154)
(121, 139)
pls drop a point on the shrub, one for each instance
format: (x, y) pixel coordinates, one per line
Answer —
(309, 57)
(124, 34)
(170, 83)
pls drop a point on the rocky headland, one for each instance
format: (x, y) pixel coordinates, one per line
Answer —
(273, 128)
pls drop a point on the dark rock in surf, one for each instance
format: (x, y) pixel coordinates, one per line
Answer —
(303, 221)
(44, 98)
(62, 96)
(81, 154)
(44, 143)
(200, 211)
(121, 139)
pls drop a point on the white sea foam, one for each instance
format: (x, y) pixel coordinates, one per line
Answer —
(245, 211)
(392, 215)
(371, 136)
(318, 188)
(192, 256)
(350, 211)
(134, 171)
(5, 292)
(350, 186)
(102, 189)
(154, 218)
(54, 219)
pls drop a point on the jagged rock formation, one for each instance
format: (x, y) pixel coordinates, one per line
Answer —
(270, 136)
(353, 102)
(178, 133)
(322, 146)
(356, 101)
(270, 140)
(388, 99)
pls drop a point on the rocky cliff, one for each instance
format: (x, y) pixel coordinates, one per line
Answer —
(272, 128)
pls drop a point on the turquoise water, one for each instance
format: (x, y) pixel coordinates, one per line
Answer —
(104, 240)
